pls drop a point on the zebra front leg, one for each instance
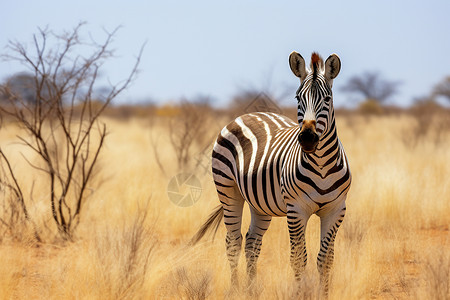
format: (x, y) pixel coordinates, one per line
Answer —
(330, 220)
(253, 241)
(297, 227)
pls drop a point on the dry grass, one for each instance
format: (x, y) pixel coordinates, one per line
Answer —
(394, 242)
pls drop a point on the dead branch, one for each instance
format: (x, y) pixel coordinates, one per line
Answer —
(62, 122)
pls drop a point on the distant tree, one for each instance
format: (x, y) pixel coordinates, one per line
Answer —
(372, 87)
(443, 89)
(23, 88)
(22, 85)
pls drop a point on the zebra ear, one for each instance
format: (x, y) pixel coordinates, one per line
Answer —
(332, 67)
(297, 64)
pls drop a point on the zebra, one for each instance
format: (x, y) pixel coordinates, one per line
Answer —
(283, 168)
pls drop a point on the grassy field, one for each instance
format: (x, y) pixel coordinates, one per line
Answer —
(132, 241)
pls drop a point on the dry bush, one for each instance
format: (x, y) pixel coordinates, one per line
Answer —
(128, 112)
(15, 223)
(112, 263)
(186, 129)
(370, 107)
(61, 117)
(14, 215)
(190, 285)
(190, 128)
(429, 121)
(123, 256)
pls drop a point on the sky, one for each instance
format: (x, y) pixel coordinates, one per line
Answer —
(216, 49)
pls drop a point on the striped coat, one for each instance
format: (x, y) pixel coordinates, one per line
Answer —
(284, 168)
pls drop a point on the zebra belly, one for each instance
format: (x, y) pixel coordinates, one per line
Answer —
(263, 194)
(248, 153)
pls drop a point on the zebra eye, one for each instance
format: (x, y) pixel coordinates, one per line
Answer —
(327, 99)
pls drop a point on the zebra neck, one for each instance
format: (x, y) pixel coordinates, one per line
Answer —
(327, 154)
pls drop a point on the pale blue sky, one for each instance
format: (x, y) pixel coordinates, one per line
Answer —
(214, 49)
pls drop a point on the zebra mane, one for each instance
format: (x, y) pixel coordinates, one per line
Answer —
(316, 64)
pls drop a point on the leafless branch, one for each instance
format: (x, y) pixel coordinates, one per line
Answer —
(61, 120)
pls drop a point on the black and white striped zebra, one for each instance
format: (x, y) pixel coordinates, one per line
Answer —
(283, 168)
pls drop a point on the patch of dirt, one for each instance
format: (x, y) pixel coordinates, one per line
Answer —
(405, 281)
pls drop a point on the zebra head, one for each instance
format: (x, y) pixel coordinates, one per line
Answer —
(314, 96)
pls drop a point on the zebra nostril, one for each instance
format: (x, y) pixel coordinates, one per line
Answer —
(308, 136)
(316, 138)
(300, 137)
(308, 140)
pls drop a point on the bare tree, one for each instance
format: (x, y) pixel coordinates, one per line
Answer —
(443, 89)
(62, 124)
(371, 86)
(188, 128)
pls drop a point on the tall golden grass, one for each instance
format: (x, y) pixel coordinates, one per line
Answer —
(132, 241)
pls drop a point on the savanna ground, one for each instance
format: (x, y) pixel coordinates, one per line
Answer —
(131, 242)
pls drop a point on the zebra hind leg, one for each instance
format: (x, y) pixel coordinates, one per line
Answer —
(232, 203)
(253, 241)
(329, 225)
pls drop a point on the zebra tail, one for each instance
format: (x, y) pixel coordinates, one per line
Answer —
(212, 223)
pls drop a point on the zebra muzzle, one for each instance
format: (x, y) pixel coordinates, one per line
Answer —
(308, 138)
